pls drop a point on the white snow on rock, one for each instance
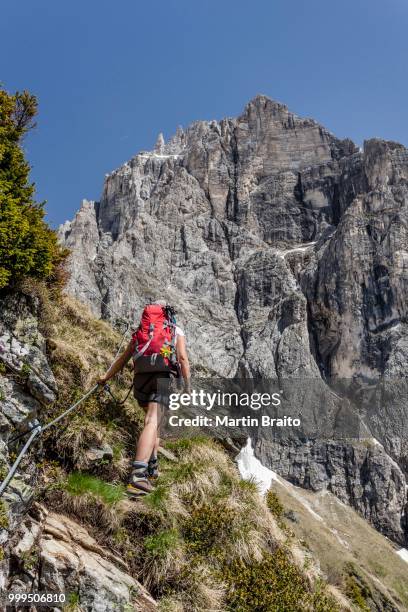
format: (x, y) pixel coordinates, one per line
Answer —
(251, 468)
(403, 554)
(301, 248)
(158, 155)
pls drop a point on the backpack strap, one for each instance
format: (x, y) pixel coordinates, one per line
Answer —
(171, 322)
(144, 348)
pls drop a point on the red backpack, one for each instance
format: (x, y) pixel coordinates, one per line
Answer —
(154, 340)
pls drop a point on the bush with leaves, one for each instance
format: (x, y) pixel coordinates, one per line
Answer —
(28, 246)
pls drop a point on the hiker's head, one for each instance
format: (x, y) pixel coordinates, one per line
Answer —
(159, 302)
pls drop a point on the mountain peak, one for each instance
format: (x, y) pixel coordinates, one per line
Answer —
(264, 100)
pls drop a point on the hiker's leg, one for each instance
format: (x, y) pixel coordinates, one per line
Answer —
(138, 481)
(153, 456)
(160, 415)
(148, 437)
(153, 465)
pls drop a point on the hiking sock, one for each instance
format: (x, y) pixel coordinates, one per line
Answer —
(138, 482)
(153, 466)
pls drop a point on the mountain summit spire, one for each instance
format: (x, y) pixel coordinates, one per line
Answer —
(160, 143)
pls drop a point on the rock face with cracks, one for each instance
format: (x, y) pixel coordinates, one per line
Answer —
(285, 251)
(55, 554)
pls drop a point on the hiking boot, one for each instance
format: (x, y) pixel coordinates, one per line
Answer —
(153, 468)
(138, 484)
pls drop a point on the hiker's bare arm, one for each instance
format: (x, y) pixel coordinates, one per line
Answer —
(118, 364)
(182, 358)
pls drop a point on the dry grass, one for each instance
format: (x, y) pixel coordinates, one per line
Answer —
(80, 349)
(80, 341)
(199, 592)
(164, 558)
(89, 509)
(201, 516)
(344, 537)
(200, 519)
(171, 604)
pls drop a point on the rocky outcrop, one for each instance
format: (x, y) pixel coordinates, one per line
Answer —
(22, 346)
(55, 554)
(357, 288)
(27, 384)
(285, 251)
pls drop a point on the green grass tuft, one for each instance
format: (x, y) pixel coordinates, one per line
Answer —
(80, 484)
(248, 486)
(160, 544)
(157, 499)
(186, 444)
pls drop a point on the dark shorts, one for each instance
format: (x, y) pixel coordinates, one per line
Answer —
(152, 387)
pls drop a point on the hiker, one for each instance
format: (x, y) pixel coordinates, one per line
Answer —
(159, 352)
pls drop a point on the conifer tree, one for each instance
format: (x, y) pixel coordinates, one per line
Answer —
(28, 246)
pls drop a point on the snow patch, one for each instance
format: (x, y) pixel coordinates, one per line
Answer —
(157, 155)
(299, 249)
(251, 468)
(403, 554)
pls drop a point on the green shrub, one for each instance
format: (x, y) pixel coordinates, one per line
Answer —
(275, 583)
(272, 583)
(28, 246)
(80, 484)
(25, 370)
(207, 527)
(356, 593)
(30, 559)
(274, 504)
(356, 588)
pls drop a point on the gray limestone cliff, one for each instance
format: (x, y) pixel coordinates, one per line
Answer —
(285, 251)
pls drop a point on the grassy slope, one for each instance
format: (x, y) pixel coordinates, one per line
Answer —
(204, 540)
(348, 548)
(81, 348)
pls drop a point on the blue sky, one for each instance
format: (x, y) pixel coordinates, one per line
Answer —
(111, 75)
